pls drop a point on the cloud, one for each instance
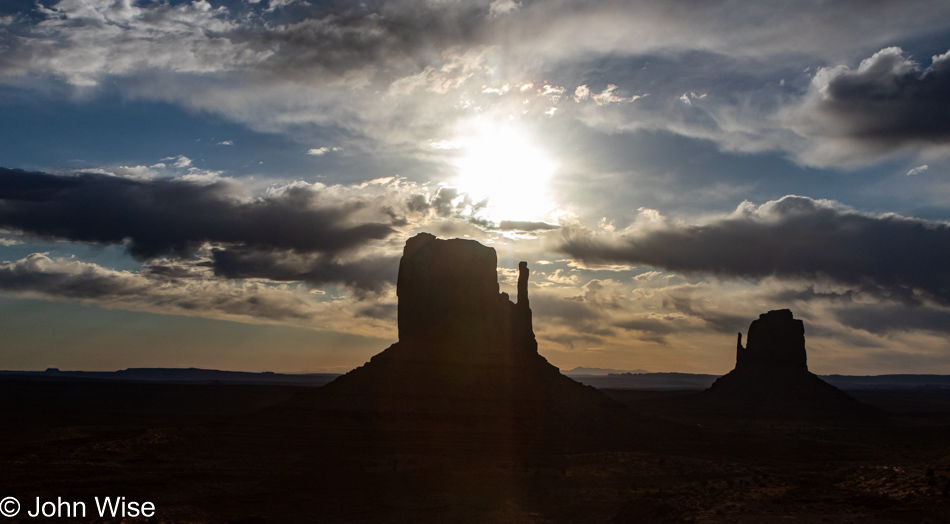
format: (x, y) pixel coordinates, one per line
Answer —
(500, 7)
(320, 151)
(376, 70)
(793, 237)
(515, 225)
(917, 170)
(181, 293)
(557, 314)
(181, 161)
(889, 100)
(654, 329)
(885, 320)
(573, 312)
(695, 301)
(648, 325)
(83, 40)
(69, 279)
(371, 274)
(161, 216)
(41, 275)
(607, 96)
(379, 311)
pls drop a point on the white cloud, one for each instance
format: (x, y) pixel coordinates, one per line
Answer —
(180, 161)
(500, 7)
(320, 151)
(581, 93)
(84, 40)
(444, 144)
(607, 96)
(278, 4)
(917, 170)
(192, 292)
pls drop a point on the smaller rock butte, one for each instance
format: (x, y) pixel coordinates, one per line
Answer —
(771, 377)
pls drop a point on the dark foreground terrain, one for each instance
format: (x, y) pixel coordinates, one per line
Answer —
(190, 450)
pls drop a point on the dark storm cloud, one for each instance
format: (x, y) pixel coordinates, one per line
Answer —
(791, 237)
(888, 99)
(364, 275)
(39, 275)
(885, 320)
(166, 216)
(809, 294)
(902, 295)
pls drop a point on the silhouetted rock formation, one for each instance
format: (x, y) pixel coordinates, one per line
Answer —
(771, 378)
(776, 340)
(448, 295)
(466, 370)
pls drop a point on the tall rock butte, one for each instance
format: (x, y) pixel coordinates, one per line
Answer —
(449, 296)
(771, 377)
(466, 368)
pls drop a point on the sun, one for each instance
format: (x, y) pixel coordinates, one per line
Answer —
(501, 165)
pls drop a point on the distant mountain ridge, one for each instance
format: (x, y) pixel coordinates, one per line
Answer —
(186, 375)
(636, 379)
(693, 381)
(584, 371)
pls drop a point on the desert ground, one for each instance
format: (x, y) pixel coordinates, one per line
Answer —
(189, 449)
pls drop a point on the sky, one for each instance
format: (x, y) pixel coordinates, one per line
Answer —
(229, 184)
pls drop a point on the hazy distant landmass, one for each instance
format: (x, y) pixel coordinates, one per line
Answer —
(691, 381)
(581, 371)
(186, 375)
(612, 379)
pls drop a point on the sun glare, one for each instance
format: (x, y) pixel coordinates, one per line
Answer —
(501, 165)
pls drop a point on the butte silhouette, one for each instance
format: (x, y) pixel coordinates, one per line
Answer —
(466, 370)
(771, 377)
